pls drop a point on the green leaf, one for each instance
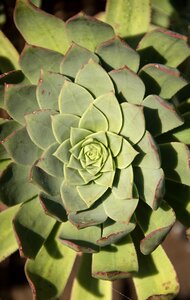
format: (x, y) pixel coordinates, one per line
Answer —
(154, 224)
(9, 55)
(114, 231)
(47, 280)
(93, 119)
(87, 287)
(80, 56)
(182, 133)
(4, 164)
(120, 210)
(154, 280)
(71, 198)
(133, 122)
(126, 155)
(112, 262)
(53, 206)
(48, 89)
(177, 167)
(74, 99)
(93, 216)
(122, 13)
(21, 148)
(62, 124)
(123, 183)
(150, 185)
(41, 58)
(62, 152)
(129, 87)
(45, 182)
(91, 73)
(91, 192)
(149, 156)
(175, 192)
(161, 80)
(32, 227)
(14, 185)
(122, 53)
(73, 177)
(88, 32)
(161, 45)
(19, 100)
(80, 239)
(115, 143)
(109, 106)
(106, 179)
(38, 125)
(7, 237)
(49, 163)
(78, 134)
(39, 28)
(162, 112)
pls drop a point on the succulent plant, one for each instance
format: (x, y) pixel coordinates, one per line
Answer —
(93, 146)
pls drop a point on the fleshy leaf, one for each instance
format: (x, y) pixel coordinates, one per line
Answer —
(91, 73)
(41, 59)
(121, 16)
(19, 100)
(161, 45)
(74, 99)
(112, 262)
(87, 287)
(80, 239)
(149, 156)
(71, 198)
(161, 80)
(120, 210)
(154, 224)
(115, 143)
(21, 148)
(88, 32)
(78, 134)
(80, 56)
(93, 216)
(133, 122)
(122, 53)
(123, 183)
(176, 168)
(9, 55)
(93, 119)
(40, 119)
(61, 125)
(109, 106)
(73, 177)
(162, 112)
(126, 155)
(129, 87)
(14, 185)
(40, 28)
(150, 185)
(91, 192)
(7, 237)
(53, 206)
(182, 133)
(47, 281)
(48, 90)
(62, 152)
(114, 231)
(32, 227)
(106, 179)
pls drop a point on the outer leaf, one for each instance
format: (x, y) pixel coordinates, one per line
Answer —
(87, 287)
(91, 192)
(122, 53)
(182, 133)
(122, 13)
(41, 59)
(88, 32)
(112, 262)
(161, 45)
(7, 237)
(177, 167)
(39, 28)
(15, 186)
(9, 55)
(123, 183)
(32, 227)
(155, 225)
(48, 280)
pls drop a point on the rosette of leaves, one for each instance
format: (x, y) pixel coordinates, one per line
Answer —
(92, 146)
